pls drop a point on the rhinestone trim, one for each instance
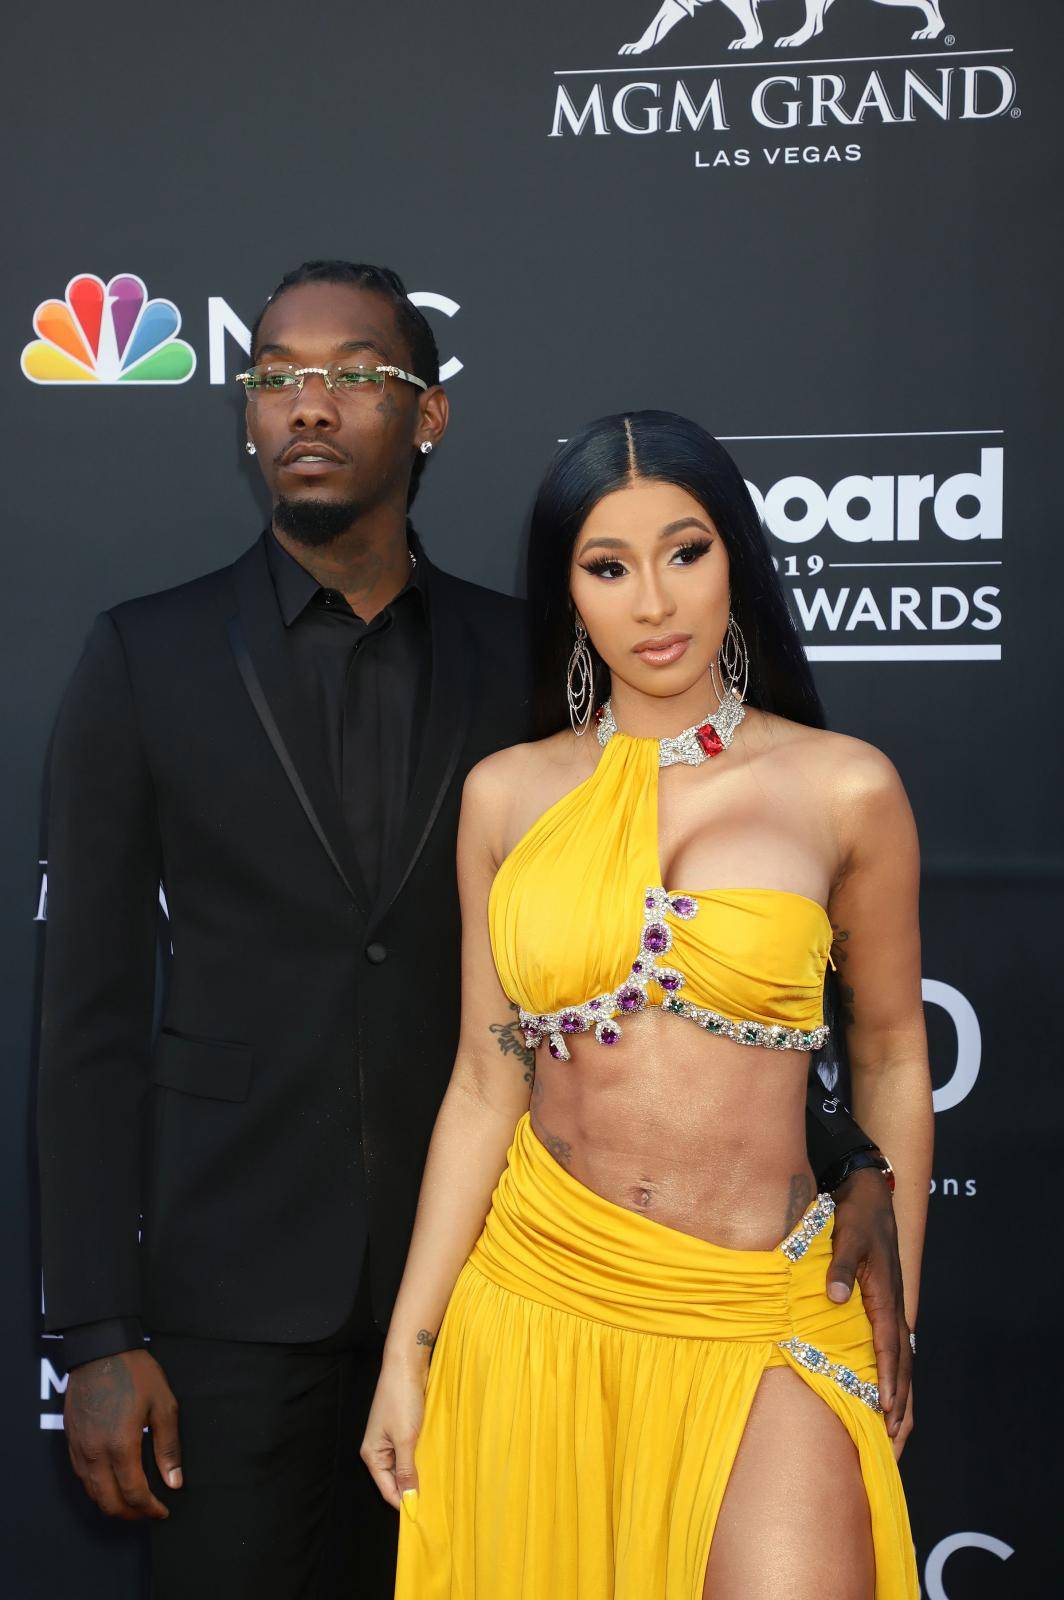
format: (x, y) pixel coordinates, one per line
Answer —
(598, 1014)
(770, 1036)
(814, 1360)
(815, 1221)
(630, 996)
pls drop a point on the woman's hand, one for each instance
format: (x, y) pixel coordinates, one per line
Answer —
(391, 1434)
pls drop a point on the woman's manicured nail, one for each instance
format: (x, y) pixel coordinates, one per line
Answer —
(410, 1503)
(174, 1478)
(838, 1292)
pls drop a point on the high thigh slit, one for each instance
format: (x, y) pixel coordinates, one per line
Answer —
(794, 1518)
(590, 1387)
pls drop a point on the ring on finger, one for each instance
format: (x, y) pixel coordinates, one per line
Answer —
(912, 1343)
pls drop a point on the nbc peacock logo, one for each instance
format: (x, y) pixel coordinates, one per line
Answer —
(107, 333)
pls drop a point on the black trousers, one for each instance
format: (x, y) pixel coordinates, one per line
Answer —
(276, 1503)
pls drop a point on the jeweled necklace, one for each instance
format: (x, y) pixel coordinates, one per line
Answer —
(695, 744)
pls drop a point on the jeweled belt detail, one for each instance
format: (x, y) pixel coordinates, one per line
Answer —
(814, 1360)
(815, 1221)
(794, 1248)
(599, 1014)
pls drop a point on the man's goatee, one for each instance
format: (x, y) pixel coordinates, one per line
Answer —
(315, 522)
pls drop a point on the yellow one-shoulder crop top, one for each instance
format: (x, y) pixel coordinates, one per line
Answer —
(584, 933)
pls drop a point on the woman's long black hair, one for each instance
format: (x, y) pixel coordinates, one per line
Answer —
(661, 446)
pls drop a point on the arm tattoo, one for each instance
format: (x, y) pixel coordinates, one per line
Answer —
(800, 1195)
(425, 1337)
(839, 956)
(512, 1043)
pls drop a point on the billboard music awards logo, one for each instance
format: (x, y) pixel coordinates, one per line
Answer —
(889, 545)
(107, 333)
(738, 112)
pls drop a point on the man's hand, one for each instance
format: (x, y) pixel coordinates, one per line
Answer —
(865, 1246)
(108, 1405)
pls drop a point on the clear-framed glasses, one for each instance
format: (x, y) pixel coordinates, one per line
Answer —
(347, 380)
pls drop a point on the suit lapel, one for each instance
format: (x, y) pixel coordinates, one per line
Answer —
(444, 734)
(260, 645)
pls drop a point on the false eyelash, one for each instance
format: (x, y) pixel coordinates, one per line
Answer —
(600, 564)
(697, 547)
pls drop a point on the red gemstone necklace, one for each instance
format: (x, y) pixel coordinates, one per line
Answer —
(695, 744)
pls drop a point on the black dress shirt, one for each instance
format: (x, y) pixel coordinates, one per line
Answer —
(368, 685)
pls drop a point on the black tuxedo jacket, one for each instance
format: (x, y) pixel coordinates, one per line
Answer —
(218, 1171)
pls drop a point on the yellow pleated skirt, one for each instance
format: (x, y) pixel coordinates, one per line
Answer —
(589, 1389)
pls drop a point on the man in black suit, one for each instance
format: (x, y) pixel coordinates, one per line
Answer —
(281, 744)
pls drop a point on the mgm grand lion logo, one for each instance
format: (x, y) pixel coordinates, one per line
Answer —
(746, 11)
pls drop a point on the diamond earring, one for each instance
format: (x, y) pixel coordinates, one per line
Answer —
(731, 671)
(580, 683)
(425, 447)
(249, 447)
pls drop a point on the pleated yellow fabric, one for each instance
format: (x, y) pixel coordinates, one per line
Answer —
(588, 1393)
(565, 913)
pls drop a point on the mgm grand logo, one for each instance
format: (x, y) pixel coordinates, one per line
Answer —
(747, 13)
(930, 81)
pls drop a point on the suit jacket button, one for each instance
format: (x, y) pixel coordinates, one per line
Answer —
(376, 953)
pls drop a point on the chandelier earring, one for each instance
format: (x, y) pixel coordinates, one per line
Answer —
(580, 682)
(730, 672)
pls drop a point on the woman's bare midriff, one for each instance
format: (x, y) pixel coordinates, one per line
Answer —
(702, 1134)
(698, 1133)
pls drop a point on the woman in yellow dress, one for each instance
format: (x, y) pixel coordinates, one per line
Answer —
(638, 1388)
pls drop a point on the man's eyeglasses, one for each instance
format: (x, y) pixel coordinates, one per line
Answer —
(345, 379)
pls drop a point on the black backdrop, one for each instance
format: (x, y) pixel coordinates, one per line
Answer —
(842, 256)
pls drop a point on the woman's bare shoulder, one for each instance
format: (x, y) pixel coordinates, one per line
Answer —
(841, 762)
(495, 786)
(504, 770)
(855, 784)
